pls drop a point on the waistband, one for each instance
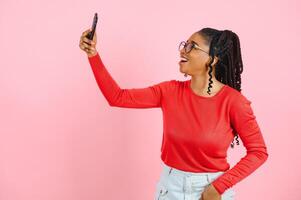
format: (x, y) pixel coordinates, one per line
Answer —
(168, 170)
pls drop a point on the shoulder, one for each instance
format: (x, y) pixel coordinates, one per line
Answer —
(166, 86)
(170, 84)
(238, 101)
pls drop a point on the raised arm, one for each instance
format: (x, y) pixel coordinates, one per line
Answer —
(148, 97)
(244, 122)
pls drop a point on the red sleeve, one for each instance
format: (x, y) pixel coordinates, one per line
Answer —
(244, 122)
(147, 97)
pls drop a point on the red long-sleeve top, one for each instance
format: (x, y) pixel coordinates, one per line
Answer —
(197, 130)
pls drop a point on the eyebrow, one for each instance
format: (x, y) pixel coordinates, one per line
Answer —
(193, 42)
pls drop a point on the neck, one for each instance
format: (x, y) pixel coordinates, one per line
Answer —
(201, 83)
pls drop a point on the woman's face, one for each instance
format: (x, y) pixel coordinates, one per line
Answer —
(197, 59)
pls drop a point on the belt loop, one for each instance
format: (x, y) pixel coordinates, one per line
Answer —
(208, 178)
(169, 171)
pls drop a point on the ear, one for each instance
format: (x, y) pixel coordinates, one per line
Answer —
(214, 61)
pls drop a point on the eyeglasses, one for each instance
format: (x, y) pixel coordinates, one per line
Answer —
(189, 46)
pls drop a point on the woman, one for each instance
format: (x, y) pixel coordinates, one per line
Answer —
(201, 116)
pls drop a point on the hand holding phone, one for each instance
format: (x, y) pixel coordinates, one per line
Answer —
(88, 39)
(91, 34)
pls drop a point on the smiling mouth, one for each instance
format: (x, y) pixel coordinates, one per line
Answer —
(183, 61)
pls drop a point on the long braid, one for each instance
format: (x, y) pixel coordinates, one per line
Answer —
(226, 46)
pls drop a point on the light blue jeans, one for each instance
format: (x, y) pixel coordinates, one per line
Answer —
(175, 184)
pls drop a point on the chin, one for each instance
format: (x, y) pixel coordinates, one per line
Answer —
(181, 70)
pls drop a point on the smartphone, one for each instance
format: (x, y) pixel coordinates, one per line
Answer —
(90, 35)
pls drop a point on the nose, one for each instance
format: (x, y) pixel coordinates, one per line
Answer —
(182, 52)
(181, 48)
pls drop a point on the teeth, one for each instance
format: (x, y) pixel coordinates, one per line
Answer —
(184, 59)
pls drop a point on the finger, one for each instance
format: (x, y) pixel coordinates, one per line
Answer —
(85, 49)
(85, 45)
(88, 41)
(91, 45)
(84, 34)
(82, 39)
(82, 47)
(86, 31)
(88, 46)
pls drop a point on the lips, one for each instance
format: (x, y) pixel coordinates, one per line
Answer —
(183, 62)
(183, 59)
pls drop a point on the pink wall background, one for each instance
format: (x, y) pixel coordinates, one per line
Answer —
(61, 140)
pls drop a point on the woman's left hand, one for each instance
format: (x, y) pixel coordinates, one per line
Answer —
(210, 193)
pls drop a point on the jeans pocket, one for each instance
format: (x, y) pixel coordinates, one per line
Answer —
(198, 184)
(161, 192)
(229, 194)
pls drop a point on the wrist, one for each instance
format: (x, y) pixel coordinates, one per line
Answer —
(92, 54)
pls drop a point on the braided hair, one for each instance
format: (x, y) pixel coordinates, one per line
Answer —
(226, 46)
